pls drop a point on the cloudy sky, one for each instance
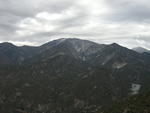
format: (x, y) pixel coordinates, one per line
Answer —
(34, 22)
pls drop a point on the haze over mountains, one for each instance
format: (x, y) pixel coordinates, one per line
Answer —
(70, 76)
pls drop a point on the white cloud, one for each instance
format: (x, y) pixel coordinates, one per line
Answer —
(30, 26)
(70, 13)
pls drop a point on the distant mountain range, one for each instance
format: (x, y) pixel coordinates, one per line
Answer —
(70, 76)
(141, 50)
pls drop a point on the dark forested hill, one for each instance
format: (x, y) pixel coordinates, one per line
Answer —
(134, 104)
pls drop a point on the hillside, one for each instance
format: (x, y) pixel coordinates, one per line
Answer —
(134, 104)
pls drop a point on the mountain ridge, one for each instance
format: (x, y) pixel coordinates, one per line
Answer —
(82, 47)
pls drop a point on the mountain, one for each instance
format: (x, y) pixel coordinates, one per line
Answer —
(141, 50)
(70, 75)
(146, 57)
(134, 104)
(11, 54)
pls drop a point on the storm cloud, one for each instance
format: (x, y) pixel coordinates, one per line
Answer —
(34, 22)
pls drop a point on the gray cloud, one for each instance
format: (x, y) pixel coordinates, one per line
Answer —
(105, 21)
(129, 10)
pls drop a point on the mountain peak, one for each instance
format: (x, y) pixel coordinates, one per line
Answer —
(74, 42)
(6, 44)
(115, 44)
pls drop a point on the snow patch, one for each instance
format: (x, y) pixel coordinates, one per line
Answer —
(135, 88)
